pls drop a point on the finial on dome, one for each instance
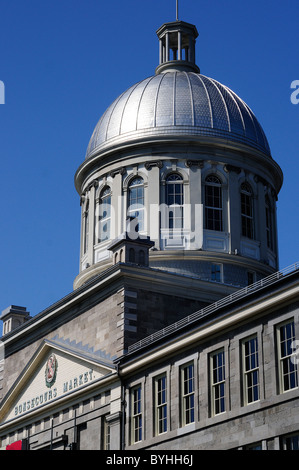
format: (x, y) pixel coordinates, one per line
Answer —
(177, 10)
(177, 46)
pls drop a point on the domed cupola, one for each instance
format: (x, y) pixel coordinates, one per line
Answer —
(185, 158)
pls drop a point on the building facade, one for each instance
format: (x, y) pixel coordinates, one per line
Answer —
(181, 330)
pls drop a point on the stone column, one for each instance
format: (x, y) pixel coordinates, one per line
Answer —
(167, 47)
(261, 231)
(196, 209)
(91, 233)
(234, 209)
(179, 45)
(153, 201)
(117, 206)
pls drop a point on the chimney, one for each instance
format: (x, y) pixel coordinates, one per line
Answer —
(13, 317)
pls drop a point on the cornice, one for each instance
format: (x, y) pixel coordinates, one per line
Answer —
(162, 147)
(243, 310)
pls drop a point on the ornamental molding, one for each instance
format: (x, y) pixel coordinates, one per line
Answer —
(121, 171)
(196, 163)
(229, 168)
(51, 370)
(150, 165)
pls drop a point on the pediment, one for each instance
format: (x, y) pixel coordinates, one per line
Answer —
(57, 370)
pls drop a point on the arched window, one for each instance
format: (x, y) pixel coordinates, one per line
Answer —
(175, 201)
(105, 214)
(131, 255)
(269, 221)
(247, 211)
(86, 227)
(136, 202)
(213, 203)
(141, 257)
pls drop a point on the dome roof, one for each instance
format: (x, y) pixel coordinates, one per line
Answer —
(177, 103)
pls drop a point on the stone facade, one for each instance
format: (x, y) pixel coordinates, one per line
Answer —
(264, 422)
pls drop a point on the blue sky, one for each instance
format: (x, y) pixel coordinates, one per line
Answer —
(63, 62)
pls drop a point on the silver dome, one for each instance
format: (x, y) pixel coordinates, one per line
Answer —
(177, 104)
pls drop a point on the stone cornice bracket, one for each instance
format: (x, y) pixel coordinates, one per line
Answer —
(120, 171)
(197, 163)
(150, 165)
(93, 184)
(233, 168)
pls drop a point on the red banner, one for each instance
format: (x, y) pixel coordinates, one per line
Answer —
(17, 445)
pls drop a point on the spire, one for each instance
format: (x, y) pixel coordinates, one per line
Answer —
(177, 46)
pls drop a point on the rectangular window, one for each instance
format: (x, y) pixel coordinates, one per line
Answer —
(251, 371)
(105, 434)
(86, 229)
(251, 278)
(216, 272)
(213, 204)
(175, 201)
(288, 372)
(256, 446)
(247, 215)
(136, 417)
(161, 404)
(291, 442)
(187, 394)
(218, 382)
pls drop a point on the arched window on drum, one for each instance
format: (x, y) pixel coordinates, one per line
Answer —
(175, 201)
(213, 203)
(105, 214)
(136, 203)
(247, 221)
(86, 227)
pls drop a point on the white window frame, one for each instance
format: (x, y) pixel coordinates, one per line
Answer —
(246, 191)
(136, 210)
(161, 405)
(136, 415)
(106, 434)
(290, 437)
(213, 181)
(219, 384)
(176, 209)
(249, 372)
(187, 396)
(104, 217)
(289, 359)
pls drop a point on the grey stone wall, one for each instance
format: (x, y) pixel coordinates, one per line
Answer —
(265, 421)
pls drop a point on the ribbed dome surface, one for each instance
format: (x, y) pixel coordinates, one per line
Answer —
(177, 104)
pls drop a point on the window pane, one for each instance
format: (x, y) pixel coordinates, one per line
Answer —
(104, 214)
(187, 399)
(288, 367)
(213, 203)
(292, 442)
(136, 203)
(246, 211)
(161, 404)
(251, 372)
(136, 415)
(218, 382)
(175, 201)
